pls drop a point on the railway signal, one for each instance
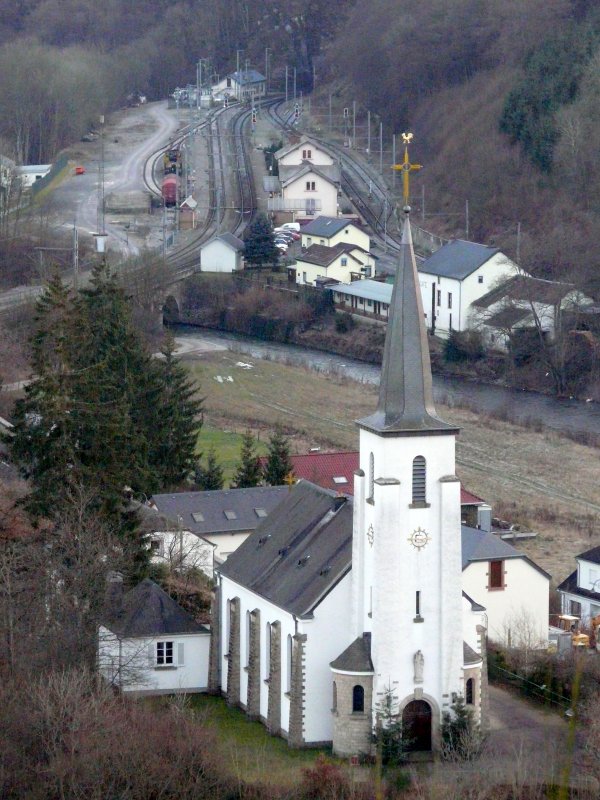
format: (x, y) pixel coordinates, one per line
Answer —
(254, 116)
(296, 112)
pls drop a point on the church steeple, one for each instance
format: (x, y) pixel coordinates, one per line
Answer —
(405, 390)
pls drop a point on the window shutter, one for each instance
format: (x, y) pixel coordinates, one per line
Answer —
(151, 655)
(180, 661)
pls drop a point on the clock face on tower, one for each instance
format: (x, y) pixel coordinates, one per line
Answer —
(419, 538)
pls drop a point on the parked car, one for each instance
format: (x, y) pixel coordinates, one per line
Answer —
(282, 235)
(281, 246)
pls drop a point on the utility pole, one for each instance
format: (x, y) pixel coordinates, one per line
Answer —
(368, 132)
(467, 220)
(423, 203)
(393, 160)
(330, 113)
(353, 124)
(518, 244)
(294, 84)
(267, 49)
(75, 256)
(100, 210)
(381, 147)
(385, 216)
(286, 83)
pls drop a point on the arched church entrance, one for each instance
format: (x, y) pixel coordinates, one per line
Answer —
(416, 726)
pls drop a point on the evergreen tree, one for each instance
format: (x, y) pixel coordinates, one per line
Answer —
(278, 465)
(249, 472)
(259, 246)
(209, 478)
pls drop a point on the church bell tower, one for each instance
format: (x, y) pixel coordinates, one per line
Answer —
(406, 558)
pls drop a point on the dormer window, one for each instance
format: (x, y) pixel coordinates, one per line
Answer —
(230, 515)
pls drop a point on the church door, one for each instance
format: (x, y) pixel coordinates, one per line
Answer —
(416, 726)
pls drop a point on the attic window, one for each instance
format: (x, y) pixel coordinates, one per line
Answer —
(339, 479)
(230, 515)
(260, 512)
(197, 516)
(302, 561)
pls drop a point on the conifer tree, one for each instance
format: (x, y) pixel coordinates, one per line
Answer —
(210, 477)
(259, 246)
(249, 471)
(278, 465)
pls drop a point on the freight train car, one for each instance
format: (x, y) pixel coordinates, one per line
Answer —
(169, 190)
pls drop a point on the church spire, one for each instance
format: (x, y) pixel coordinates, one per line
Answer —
(405, 389)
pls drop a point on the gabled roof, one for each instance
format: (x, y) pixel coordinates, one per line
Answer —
(356, 657)
(478, 545)
(147, 610)
(228, 239)
(506, 318)
(457, 259)
(327, 226)
(247, 76)
(323, 256)
(570, 585)
(329, 173)
(299, 553)
(527, 289)
(592, 555)
(289, 148)
(203, 513)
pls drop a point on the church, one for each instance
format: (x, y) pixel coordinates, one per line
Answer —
(338, 606)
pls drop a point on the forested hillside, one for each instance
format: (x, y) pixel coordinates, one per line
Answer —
(503, 98)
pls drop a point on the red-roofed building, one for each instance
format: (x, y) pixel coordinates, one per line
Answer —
(336, 471)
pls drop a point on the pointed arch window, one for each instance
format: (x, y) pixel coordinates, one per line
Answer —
(290, 653)
(371, 495)
(334, 706)
(469, 692)
(419, 481)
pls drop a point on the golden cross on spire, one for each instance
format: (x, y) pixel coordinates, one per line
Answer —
(406, 168)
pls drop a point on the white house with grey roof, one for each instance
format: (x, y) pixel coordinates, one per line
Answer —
(148, 644)
(245, 85)
(580, 592)
(334, 602)
(454, 277)
(222, 253)
(224, 518)
(330, 231)
(320, 265)
(309, 181)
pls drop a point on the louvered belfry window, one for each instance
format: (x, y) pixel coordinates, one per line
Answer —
(419, 480)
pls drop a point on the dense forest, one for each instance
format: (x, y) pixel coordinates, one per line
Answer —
(503, 98)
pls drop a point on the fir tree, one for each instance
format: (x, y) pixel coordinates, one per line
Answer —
(209, 478)
(259, 246)
(278, 466)
(249, 471)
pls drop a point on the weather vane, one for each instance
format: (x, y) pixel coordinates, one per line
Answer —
(406, 168)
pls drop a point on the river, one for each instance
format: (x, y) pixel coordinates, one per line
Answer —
(574, 417)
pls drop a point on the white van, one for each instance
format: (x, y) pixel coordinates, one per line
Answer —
(291, 226)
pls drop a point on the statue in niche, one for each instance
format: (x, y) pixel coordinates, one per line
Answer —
(419, 663)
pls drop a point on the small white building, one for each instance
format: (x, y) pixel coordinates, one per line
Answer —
(245, 85)
(320, 265)
(454, 277)
(30, 173)
(512, 588)
(148, 644)
(223, 253)
(366, 298)
(330, 231)
(580, 592)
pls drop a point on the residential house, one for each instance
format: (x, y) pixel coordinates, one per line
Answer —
(225, 517)
(148, 644)
(244, 85)
(368, 298)
(524, 303)
(511, 587)
(329, 231)
(30, 173)
(580, 592)
(222, 253)
(454, 277)
(172, 545)
(306, 150)
(320, 265)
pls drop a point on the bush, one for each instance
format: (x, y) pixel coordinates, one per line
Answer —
(344, 322)
(464, 346)
(461, 739)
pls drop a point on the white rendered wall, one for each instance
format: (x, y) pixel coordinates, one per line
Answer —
(401, 569)
(127, 663)
(350, 234)
(522, 607)
(325, 191)
(226, 543)
(183, 549)
(318, 156)
(218, 257)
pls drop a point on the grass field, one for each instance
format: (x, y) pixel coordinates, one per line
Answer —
(541, 480)
(227, 445)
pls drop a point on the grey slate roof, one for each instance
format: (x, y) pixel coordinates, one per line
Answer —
(457, 259)
(469, 655)
(300, 552)
(367, 289)
(247, 76)
(405, 388)
(209, 508)
(289, 148)
(356, 657)
(570, 585)
(478, 545)
(592, 555)
(147, 610)
(227, 238)
(326, 226)
(322, 256)
(289, 174)
(474, 605)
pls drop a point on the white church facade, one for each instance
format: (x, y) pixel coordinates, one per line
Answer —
(335, 606)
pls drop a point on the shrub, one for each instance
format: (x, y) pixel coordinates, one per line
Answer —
(464, 346)
(344, 322)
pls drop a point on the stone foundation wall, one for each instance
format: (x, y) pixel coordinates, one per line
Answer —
(352, 730)
(233, 665)
(274, 709)
(297, 687)
(253, 702)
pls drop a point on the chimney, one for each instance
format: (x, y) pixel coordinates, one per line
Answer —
(113, 595)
